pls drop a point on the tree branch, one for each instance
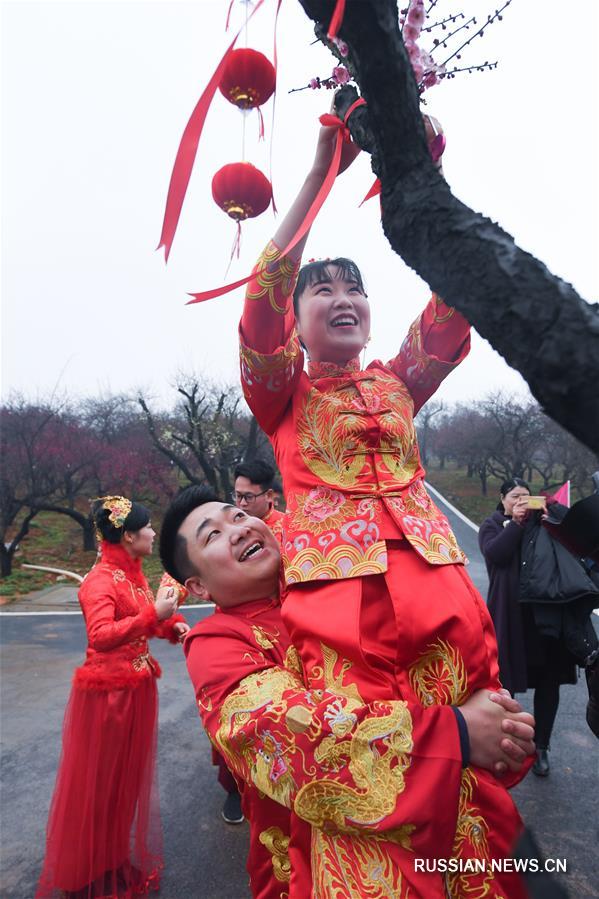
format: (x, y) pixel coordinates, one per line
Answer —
(506, 293)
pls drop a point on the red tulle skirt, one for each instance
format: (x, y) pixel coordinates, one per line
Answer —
(104, 837)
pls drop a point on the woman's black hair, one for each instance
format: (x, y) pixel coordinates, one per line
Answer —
(509, 485)
(314, 272)
(138, 518)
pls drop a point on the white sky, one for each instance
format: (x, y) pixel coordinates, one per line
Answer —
(95, 97)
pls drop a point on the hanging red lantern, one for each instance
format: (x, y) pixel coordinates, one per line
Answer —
(248, 79)
(243, 192)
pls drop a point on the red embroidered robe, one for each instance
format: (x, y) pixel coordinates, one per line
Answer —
(338, 765)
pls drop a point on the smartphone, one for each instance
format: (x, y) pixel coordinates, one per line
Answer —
(535, 502)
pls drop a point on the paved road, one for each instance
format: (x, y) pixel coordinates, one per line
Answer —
(205, 857)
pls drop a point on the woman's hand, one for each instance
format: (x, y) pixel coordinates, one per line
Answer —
(520, 510)
(181, 628)
(325, 147)
(166, 602)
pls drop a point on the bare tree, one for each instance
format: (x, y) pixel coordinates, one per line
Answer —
(27, 476)
(424, 426)
(208, 434)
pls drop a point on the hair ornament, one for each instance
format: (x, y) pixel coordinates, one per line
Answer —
(118, 506)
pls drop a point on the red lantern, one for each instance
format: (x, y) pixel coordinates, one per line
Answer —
(241, 190)
(248, 79)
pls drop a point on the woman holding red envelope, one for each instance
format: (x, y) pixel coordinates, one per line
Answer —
(377, 601)
(103, 836)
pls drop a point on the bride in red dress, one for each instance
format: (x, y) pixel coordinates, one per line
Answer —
(104, 837)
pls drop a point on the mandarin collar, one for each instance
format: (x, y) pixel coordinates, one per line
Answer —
(115, 555)
(332, 369)
(252, 608)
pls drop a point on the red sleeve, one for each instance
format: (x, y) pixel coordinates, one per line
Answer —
(165, 630)
(336, 762)
(436, 343)
(271, 357)
(98, 602)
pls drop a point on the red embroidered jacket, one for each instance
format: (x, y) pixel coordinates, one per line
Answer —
(344, 439)
(118, 607)
(339, 765)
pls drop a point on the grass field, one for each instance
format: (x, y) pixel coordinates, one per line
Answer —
(56, 540)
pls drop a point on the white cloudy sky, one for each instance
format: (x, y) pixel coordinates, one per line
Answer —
(94, 100)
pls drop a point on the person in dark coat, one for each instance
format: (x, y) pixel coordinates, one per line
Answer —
(527, 658)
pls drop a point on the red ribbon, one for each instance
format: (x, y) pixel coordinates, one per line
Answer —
(436, 149)
(337, 19)
(342, 135)
(373, 192)
(188, 147)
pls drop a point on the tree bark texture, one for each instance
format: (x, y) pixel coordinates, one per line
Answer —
(86, 522)
(536, 321)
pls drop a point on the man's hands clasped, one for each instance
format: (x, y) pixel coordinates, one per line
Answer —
(501, 734)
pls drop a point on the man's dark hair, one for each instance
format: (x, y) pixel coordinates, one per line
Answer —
(173, 547)
(257, 471)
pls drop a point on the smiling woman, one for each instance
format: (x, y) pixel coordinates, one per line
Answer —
(373, 572)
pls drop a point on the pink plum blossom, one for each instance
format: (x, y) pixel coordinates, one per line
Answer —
(341, 75)
(416, 14)
(341, 46)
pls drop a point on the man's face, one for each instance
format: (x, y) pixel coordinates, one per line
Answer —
(235, 556)
(252, 499)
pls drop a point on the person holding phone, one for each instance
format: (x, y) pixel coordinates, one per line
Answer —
(527, 658)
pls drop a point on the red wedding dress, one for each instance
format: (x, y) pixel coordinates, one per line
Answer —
(104, 837)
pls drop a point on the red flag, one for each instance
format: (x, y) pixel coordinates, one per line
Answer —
(562, 494)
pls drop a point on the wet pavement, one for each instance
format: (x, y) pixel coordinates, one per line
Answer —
(205, 858)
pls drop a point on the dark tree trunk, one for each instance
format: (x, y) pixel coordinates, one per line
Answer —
(506, 293)
(84, 521)
(252, 444)
(6, 557)
(7, 551)
(482, 473)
